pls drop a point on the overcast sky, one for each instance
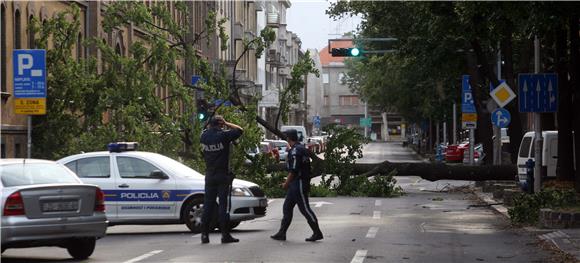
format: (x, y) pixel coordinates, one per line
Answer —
(308, 20)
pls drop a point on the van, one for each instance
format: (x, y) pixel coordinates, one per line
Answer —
(301, 132)
(549, 154)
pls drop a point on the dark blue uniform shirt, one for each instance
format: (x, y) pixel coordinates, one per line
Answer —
(298, 163)
(216, 149)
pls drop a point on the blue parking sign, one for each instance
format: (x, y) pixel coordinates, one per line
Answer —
(467, 103)
(29, 73)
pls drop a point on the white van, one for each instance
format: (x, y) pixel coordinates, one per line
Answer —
(302, 136)
(549, 153)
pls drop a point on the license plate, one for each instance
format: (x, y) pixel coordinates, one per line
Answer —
(263, 203)
(61, 206)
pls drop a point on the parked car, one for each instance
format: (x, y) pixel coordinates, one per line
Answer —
(454, 152)
(321, 143)
(270, 149)
(150, 188)
(478, 154)
(282, 147)
(300, 129)
(45, 204)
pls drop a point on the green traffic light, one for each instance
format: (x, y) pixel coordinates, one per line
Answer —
(354, 52)
(201, 116)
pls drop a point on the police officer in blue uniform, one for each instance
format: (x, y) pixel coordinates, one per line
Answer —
(216, 143)
(297, 185)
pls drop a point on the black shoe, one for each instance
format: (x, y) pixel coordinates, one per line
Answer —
(229, 239)
(204, 238)
(279, 236)
(315, 237)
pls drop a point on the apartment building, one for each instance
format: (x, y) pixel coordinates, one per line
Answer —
(16, 16)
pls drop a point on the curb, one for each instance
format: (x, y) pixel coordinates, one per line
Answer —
(561, 240)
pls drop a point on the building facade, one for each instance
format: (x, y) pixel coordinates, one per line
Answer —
(314, 96)
(17, 15)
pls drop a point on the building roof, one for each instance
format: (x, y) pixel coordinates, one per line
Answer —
(326, 58)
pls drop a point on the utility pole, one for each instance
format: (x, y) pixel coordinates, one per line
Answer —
(454, 123)
(496, 129)
(537, 126)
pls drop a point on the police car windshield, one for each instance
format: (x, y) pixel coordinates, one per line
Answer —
(176, 167)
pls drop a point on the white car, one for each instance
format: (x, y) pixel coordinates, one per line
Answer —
(150, 188)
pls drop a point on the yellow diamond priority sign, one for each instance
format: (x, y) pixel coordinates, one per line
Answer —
(502, 94)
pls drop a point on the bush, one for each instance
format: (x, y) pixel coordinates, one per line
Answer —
(321, 191)
(527, 206)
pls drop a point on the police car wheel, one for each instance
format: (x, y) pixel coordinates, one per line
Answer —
(81, 248)
(193, 214)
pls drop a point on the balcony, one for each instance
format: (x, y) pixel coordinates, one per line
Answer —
(273, 19)
(238, 31)
(270, 98)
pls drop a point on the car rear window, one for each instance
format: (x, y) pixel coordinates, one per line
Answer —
(35, 173)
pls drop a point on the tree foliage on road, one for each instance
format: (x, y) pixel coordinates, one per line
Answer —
(437, 42)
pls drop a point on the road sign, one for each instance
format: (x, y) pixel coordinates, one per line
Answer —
(538, 92)
(502, 94)
(501, 118)
(469, 120)
(195, 79)
(365, 122)
(316, 121)
(29, 67)
(467, 104)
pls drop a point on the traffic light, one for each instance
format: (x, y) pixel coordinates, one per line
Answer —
(346, 52)
(202, 110)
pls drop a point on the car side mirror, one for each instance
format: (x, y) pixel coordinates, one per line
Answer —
(158, 175)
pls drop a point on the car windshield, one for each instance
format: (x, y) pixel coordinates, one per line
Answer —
(176, 167)
(35, 173)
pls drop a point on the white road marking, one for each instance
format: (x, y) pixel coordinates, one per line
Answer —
(270, 201)
(320, 204)
(372, 232)
(359, 256)
(378, 203)
(144, 256)
(377, 215)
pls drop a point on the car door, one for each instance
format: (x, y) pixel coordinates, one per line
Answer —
(142, 196)
(97, 170)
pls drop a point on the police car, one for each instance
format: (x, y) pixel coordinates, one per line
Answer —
(150, 188)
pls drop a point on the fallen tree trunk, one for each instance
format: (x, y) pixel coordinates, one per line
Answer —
(427, 171)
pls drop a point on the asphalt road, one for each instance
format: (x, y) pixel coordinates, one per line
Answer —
(433, 222)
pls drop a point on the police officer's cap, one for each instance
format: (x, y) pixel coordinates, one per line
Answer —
(292, 135)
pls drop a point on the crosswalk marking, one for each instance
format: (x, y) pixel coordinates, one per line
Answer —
(378, 203)
(377, 215)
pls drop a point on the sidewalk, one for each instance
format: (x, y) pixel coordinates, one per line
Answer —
(565, 240)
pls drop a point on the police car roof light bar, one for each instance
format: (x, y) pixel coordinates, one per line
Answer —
(122, 146)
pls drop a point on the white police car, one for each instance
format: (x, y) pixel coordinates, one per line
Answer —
(149, 188)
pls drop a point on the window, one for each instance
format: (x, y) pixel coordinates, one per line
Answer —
(31, 43)
(93, 167)
(3, 48)
(3, 151)
(325, 79)
(35, 173)
(17, 150)
(134, 168)
(79, 46)
(525, 147)
(326, 101)
(17, 27)
(350, 100)
(341, 78)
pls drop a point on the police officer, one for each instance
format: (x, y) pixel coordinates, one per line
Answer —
(297, 185)
(218, 178)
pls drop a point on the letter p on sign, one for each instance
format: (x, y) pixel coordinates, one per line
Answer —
(25, 61)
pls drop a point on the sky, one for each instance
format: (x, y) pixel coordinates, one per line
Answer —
(308, 20)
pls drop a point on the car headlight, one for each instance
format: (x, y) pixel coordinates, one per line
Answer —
(241, 191)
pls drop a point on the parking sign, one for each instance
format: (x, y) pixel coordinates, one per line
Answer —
(29, 68)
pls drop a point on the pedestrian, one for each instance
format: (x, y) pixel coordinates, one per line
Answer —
(297, 185)
(216, 143)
